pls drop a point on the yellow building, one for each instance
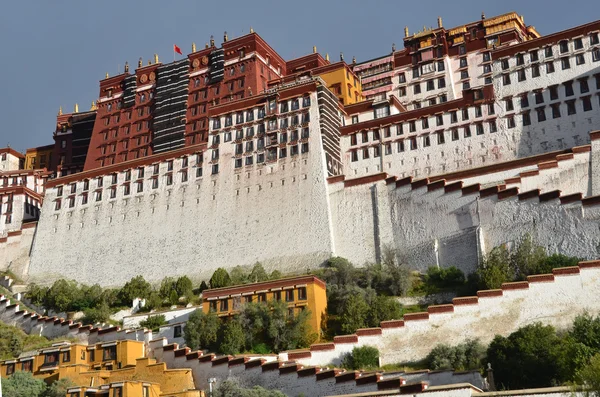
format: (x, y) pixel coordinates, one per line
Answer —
(342, 81)
(38, 157)
(300, 293)
(117, 368)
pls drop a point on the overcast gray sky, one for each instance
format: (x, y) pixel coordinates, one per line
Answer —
(55, 52)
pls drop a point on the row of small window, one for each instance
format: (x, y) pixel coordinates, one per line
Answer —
(14, 181)
(430, 86)
(271, 155)
(261, 112)
(586, 103)
(564, 62)
(126, 188)
(139, 126)
(549, 51)
(272, 124)
(553, 90)
(128, 175)
(271, 139)
(412, 125)
(125, 143)
(426, 141)
(222, 305)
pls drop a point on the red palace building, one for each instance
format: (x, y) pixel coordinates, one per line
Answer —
(160, 107)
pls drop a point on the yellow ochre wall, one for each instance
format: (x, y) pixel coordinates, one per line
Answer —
(351, 88)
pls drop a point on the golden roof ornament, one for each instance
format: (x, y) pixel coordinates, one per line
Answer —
(60, 111)
(393, 47)
(314, 49)
(149, 62)
(440, 22)
(342, 56)
(327, 56)
(76, 108)
(354, 60)
(126, 67)
(251, 29)
(205, 45)
(193, 47)
(140, 62)
(482, 15)
(406, 31)
(225, 38)
(212, 40)
(155, 58)
(93, 107)
(106, 76)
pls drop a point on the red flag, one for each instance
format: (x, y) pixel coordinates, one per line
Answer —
(177, 49)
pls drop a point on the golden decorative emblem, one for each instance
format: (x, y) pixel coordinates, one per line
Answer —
(152, 76)
(205, 60)
(144, 78)
(196, 63)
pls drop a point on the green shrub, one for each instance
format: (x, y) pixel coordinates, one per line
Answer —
(363, 357)
(154, 322)
(445, 277)
(23, 384)
(220, 279)
(462, 357)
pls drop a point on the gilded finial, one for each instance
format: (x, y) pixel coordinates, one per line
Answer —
(406, 31)
(314, 49)
(93, 107)
(60, 111)
(212, 40)
(205, 45)
(126, 67)
(251, 29)
(342, 56)
(193, 47)
(225, 37)
(155, 58)
(327, 56)
(440, 22)
(76, 108)
(106, 76)
(140, 62)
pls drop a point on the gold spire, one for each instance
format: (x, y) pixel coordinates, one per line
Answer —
(155, 58)
(314, 49)
(251, 29)
(193, 47)
(60, 111)
(225, 38)
(93, 107)
(212, 40)
(149, 62)
(205, 45)
(327, 56)
(76, 108)
(140, 62)
(406, 31)
(126, 67)
(440, 22)
(482, 14)
(106, 76)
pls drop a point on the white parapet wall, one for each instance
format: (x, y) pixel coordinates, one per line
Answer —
(554, 299)
(171, 316)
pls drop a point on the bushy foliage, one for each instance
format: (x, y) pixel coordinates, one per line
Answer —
(258, 274)
(496, 269)
(232, 338)
(99, 314)
(229, 388)
(201, 330)
(137, 287)
(184, 287)
(445, 277)
(363, 357)
(220, 279)
(462, 357)
(23, 384)
(13, 341)
(589, 377)
(58, 388)
(154, 322)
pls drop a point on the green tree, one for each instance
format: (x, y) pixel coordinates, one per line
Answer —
(363, 357)
(339, 271)
(232, 339)
(275, 275)
(532, 356)
(166, 286)
(201, 330)
(220, 279)
(496, 268)
(23, 384)
(36, 294)
(154, 301)
(58, 388)
(203, 286)
(465, 356)
(154, 322)
(400, 275)
(383, 308)
(89, 296)
(354, 315)
(137, 287)
(229, 388)
(62, 296)
(589, 377)
(184, 287)
(238, 275)
(557, 260)
(258, 274)
(98, 314)
(527, 258)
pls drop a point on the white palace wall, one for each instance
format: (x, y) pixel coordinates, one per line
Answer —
(276, 214)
